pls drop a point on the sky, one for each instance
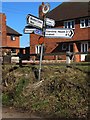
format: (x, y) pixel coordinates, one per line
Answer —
(16, 13)
(17, 10)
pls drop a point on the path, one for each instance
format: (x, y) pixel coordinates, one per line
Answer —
(8, 112)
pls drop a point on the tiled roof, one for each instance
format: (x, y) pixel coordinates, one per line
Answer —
(11, 31)
(70, 10)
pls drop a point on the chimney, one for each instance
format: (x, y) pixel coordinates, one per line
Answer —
(3, 34)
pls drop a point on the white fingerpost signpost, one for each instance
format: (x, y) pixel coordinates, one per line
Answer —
(29, 30)
(58, 33)
(34, 21)
(39, 27)
(49, 22)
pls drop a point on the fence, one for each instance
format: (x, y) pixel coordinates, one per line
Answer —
(21, 57)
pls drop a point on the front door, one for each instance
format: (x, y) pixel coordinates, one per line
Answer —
(84, 48)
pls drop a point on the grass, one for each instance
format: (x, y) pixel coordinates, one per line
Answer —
(63, 93)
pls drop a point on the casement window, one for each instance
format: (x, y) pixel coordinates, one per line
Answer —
(12, 37)
(69, 24)
(84, 47)
(84, 23)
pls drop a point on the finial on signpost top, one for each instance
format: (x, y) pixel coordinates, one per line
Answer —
(46, 8)
(42, 3)
(40, 11)
(43, 9)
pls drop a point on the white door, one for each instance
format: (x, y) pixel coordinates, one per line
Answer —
(84, 48)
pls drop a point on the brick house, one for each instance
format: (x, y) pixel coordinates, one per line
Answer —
(10, 38)
(74, 15)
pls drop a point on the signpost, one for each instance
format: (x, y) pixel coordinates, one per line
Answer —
(29, 30)
(37, 24)
(59, 33)
(38, 32)
(50, 22)
(34, 21)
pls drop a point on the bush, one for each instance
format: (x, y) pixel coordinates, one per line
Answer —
(63, 92)
(5, 99)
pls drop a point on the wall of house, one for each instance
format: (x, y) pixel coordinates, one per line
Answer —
(5, 39)
(14, 43)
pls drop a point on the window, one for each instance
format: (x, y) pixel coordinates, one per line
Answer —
(37, 49)
(84, 47)
(84, 23)
(69, 24)
(13, 50)
(70, 47)
(12, 37)
(64, 46)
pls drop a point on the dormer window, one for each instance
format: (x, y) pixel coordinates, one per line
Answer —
(69, 24)
(12, 37)
(84, 23)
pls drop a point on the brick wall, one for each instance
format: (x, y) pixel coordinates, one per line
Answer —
(3, 28)
(13, 43)
(5, 39)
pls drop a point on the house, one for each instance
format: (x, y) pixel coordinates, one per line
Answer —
(10, 38)
(74, 15)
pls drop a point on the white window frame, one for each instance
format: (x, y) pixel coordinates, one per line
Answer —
(83, 20)
(85, 48)
(70, 21)
(37, 49)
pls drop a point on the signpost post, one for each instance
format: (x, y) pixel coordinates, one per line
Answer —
(45, 9)
(40, 62)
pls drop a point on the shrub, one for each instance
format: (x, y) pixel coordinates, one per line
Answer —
(5, 99)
